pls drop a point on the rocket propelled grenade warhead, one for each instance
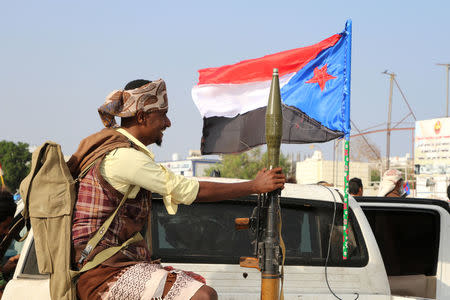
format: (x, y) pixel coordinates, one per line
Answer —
(274, 122)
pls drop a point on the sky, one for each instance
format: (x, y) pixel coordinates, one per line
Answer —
(60, 59)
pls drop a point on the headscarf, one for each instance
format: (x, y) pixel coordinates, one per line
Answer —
(390, 179)
(126, 103)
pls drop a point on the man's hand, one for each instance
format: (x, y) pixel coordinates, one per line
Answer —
(268, 180)
(10, 264)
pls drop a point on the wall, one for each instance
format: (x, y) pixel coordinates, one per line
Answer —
(312, 171)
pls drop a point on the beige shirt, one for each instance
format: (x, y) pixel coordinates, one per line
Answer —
(123, 167)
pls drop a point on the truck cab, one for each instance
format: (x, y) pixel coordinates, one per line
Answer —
(202, 238)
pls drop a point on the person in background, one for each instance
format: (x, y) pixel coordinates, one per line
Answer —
(391, 184)
(355, 187)
(7, 210)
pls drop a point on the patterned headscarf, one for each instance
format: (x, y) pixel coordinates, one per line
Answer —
(126, 103)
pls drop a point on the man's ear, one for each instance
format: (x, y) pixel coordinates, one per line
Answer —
(140, 117)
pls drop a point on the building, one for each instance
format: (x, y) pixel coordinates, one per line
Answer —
(315, 169)
(193, 165)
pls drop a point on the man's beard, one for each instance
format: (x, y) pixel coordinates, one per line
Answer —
(160, 138)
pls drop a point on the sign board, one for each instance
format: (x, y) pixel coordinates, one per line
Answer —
(432, 158)
(432, 147)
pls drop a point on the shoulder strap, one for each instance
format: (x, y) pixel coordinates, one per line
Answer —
(86, 170)
(93, 242)
(104, 255)
(109, 252)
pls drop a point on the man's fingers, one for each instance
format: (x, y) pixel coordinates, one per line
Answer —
(276, 172)
(277, 182)
(279, 175)
(262, 171)
(271, 179)
(277, 179)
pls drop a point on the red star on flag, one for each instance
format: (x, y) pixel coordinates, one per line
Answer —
(321, 77)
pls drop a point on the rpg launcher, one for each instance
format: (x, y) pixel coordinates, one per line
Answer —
(265, 220)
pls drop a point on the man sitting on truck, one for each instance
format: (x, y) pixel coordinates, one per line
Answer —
(391, 184)
(123, 162)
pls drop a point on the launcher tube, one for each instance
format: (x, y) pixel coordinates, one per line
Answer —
(270, 250)
(274, 125)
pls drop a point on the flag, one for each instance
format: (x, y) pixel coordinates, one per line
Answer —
(315, 92)
(1, 170)
(406, 188)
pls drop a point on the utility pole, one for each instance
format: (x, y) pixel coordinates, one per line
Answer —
(447, 66)
(388, 131)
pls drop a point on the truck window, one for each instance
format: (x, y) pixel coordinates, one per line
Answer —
(205, 233)
(405, 236)
(30, 266)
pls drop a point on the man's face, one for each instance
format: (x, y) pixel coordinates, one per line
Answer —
(360, 192)
(400, 186)
(155, 124)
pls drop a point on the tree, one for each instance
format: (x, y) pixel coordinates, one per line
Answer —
(245, 165)
(15, 160)
(375, 175)
(362, 149)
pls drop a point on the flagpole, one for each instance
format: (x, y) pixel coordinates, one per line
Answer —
(348, 30)
(346, 179)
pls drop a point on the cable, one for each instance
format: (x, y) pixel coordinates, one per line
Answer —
(367, 142)
(329, 246)
(404, 98)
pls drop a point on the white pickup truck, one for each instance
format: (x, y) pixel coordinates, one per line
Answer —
(399, 248)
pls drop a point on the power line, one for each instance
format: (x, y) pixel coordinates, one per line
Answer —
(367, 142)
(404, 98)
(399, 122)
(375, 126)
